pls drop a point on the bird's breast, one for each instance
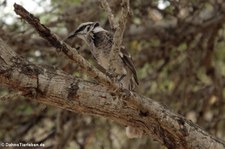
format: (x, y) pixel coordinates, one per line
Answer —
(103, 60)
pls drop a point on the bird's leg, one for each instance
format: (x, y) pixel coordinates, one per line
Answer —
(114, 77)
(124, 93)
(111, 74)
(118, 80)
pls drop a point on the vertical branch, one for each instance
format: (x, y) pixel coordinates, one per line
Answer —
(118, 36)
(111, 17)
(120, 27)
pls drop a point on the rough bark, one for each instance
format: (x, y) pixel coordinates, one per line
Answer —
(56, 88)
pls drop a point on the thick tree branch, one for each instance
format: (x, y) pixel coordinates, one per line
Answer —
(54, 87)
(66, 49)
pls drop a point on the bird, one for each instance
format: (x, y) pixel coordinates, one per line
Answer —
(100, 42)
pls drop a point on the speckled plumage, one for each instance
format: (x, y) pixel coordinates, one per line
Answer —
(100, 42)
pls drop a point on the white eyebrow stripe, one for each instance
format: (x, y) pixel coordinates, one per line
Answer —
(82, 26)
(85, 24)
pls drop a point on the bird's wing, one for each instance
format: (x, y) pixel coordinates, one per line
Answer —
(125, 56)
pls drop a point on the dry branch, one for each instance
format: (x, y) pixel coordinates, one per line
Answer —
(111, 18)
(118, 36)
(120, 27)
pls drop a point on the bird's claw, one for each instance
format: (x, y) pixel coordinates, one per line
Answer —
(111, 74)
(125, 93)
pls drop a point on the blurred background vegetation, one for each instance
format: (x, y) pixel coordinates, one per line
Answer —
(178, 49)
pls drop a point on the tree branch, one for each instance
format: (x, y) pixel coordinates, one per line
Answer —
(118, 36)
(120, 27)
(111, 18)
(54, 87)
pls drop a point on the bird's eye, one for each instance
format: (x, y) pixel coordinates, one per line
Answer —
(96, 24)
(88, 28)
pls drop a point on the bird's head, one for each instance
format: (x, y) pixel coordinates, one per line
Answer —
(85, 28)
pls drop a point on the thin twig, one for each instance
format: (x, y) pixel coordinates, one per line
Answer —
(118, 36)
(120, 26)
(111, 17)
